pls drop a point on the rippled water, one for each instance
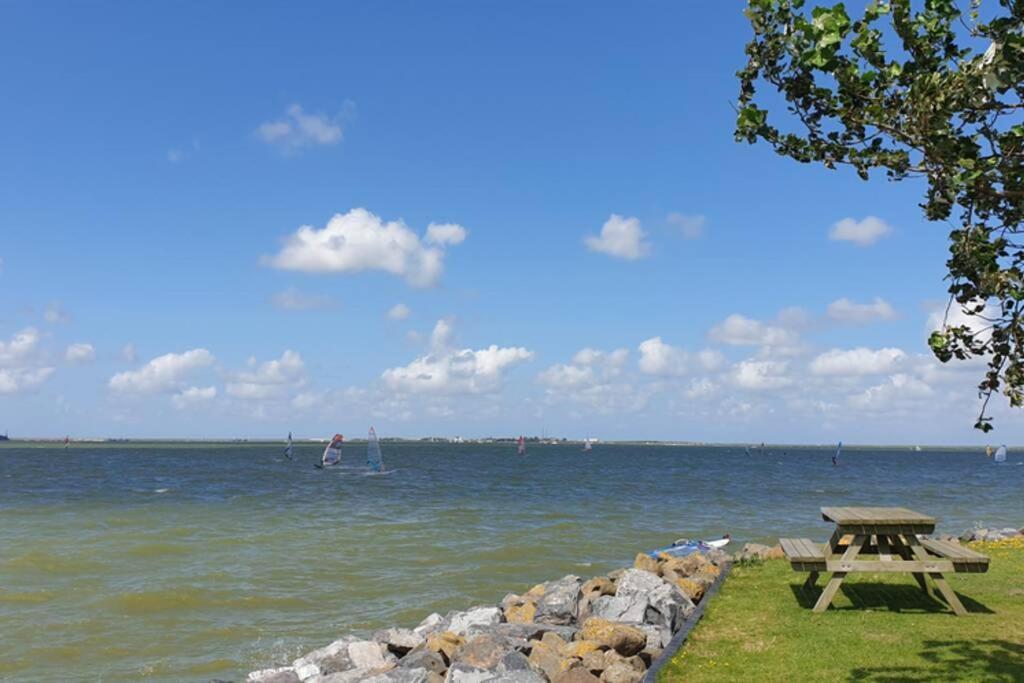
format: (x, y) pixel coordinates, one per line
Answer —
(174, 563)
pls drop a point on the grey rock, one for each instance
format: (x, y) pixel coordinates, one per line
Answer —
(515, 661)
(399, 640)
(658, 637)
(667, 605)
(282, 674)
(462, 622)
(518, 676)
(401, 676)
(560, 602)
(534, 631)
(636, 581)
(422, 658)
(621, 672)
(329, 659)
(627, 608)
(484, 651)
(432, 624)
(350, 676)
(463, 673)
(369, 654)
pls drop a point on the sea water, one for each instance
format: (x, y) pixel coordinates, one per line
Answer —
(171, 562)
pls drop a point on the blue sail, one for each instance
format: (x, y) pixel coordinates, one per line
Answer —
(373, 457)
(288, 450)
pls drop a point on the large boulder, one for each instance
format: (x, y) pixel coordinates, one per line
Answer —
(464, 673)
(463, 623)
(518, 609)
(283, 674)
(445, 644)
(547, 658)
(626, 640)
(666, 604)
(560, 602)
(405, 676)
(350, 676)
(533, 631)
(371, 655)
(423, 658)
(484, 651)
(631, 608)
(621, 672)
(523, 676)
(646, 563)
(326, 660)
(577, 674)
(399, 640)
(433, 623)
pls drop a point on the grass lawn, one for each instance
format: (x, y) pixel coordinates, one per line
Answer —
(881, 627)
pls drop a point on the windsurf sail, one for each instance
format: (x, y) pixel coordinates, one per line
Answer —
(835, 457)
(521, 446)
(373, 458)
(288, 450)
(988, 451)
(67, 442)
(332, 454)
(586, 446)
(1000, 455)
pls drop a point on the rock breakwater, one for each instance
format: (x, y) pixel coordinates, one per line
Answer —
(571, 630)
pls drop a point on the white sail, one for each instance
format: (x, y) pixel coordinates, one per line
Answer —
(373, 458)
(521, 448)
(332, 454)
(586, 445)
(1000, 455)
(288, 450)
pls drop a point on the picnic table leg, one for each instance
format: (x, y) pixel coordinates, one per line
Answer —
(837, 577)
(812, 578)
(937, 577)
(904, 551)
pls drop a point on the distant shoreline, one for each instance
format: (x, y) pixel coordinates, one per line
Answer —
(486, 441)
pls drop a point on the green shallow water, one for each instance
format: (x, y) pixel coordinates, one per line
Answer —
(168, 563)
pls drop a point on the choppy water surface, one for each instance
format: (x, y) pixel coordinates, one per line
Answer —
(171, 563)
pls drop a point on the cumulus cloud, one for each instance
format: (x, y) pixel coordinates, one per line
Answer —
(399, 312)
(958, 316)
(193, 396)
(738, 330)
(21, 345)
(846, 311)
(690, 227)
(859, 361)
(447, 370)
(888, 395)
(20, 369)
(761, 374)
(16, 380)
(359, 240)
(162, 374)
(292, 299)
(620, 237)
(445, 233)
(270, 379)
(659, 358)
(298, 129)
(80, 352)
(862, 233)
(55, 313)
(589, 367)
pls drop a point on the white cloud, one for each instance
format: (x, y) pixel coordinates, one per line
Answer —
(443, 234)
(701, 388)
(399, 312)
(761, 374)
(22, 344)
(958, 316)
(620, 237)
(846, 311)
(862, 233)
(899, 388)
(358, 241)
(270, 379)
(710, 359)
(292, 299)
(659, 358)
(446, 370)
(612, 360)
(194, 395)
(80, 352)
(589, 367)
(16, 380)
(690, 227)
(564, 376)
(859, 361)
(162, 374)
(738, 330)
(298, 129)
(55, 313)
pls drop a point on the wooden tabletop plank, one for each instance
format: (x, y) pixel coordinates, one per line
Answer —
(868, 516)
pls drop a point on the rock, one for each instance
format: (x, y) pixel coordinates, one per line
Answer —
(686, 566)
(399, 640)
(598, 586)
(482, 652)
(580, 648)
(626, 640)
(549, 660)
(350, 676)
(620, 672)
(554, 641)
(630, 608)
(646, 563)
(533, 631)
(405, 676)
(649, 654)
(431, 624)
(422, 658)
(576, 675)
(594, 661)
(462, 623)
(666, 603)
(518, 610)
(657, 636)
(560, 602)
(371, 655)
(691, 589)
(637, 582)
(282, 674)
(514, 661)
(463, 673)
(525, 676)
(536, 592)
(445, 644)
(326, 660)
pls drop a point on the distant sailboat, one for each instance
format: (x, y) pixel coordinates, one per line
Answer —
(373, 457)
(835, 457)
(521, 446)
(747, 450)
(917, 449)
(1000, 455)
(332, 454)
(288, 450)
(988, 451)
(586, 446)
(67, 442)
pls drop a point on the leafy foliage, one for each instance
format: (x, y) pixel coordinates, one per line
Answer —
(919, 89)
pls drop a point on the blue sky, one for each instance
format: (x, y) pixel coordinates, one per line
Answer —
(158, 164)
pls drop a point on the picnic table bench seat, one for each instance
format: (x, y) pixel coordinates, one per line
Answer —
(964, 559)
(804, 554)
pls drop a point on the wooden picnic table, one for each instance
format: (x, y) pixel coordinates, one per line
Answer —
(881, 539)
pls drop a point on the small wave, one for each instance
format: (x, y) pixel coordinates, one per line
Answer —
(160, 490)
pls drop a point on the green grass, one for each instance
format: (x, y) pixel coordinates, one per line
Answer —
(880, 628)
